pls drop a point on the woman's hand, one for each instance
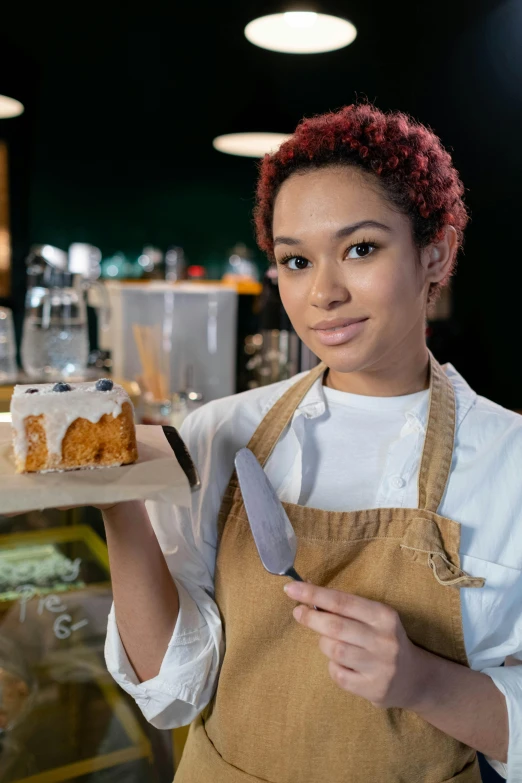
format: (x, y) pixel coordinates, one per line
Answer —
(369, 652)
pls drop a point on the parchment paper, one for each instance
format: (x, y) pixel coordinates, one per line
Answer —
(156, 475)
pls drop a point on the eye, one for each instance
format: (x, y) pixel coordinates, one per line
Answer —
(361, 250)
(295, 263)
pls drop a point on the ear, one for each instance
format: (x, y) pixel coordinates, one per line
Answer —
(436, 259)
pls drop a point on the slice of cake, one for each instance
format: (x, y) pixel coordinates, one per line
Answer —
(66, 426)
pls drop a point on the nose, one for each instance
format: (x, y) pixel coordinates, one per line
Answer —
(328, 288)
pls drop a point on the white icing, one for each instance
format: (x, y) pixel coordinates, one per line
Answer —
(60, 409)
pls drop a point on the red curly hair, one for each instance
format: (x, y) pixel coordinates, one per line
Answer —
(408, 160)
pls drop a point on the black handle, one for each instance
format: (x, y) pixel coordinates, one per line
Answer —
(292, 573)
(175, 442)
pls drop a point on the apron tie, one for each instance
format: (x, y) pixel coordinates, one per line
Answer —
(423, 543)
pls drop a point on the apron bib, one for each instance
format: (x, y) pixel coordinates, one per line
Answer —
(276, 715)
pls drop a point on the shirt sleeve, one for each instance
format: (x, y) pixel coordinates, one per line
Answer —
(185, 682)
(508, 680)
(188, 674)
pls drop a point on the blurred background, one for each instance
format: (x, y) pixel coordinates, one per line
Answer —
(125, 234)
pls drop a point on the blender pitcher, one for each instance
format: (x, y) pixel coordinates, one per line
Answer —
(55, 341)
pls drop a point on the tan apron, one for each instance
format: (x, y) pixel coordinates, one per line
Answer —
(276, 715)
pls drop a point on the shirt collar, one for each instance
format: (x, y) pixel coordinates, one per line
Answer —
(313, 403)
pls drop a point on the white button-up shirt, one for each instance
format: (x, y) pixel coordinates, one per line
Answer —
(367, 453)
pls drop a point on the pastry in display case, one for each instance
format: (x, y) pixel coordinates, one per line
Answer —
(42, 566)
(14, 697)
(17, 686)
(17, 694)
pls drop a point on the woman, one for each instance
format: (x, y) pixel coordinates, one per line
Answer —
(402, 486)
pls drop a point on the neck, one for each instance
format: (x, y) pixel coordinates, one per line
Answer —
(394, 376)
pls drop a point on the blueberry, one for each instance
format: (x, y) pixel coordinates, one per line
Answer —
(31, 391)
(104, 384)
(61, 387)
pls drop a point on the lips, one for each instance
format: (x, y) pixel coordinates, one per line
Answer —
(338, 331)
(336, 323)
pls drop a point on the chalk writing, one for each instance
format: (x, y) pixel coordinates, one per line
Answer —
(63, 626)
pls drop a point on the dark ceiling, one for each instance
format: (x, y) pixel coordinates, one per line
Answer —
(134, 99)
(122, 108)
(144, 93)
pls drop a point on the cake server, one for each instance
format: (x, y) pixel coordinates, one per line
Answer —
(272, 530)
(181, 453)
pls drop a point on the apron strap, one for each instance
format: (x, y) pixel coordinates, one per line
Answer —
(265, 438)
(439, 439)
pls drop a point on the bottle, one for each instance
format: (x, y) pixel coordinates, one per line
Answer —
(175, 264)
(151, 262)
(240, 265)
(196, 272)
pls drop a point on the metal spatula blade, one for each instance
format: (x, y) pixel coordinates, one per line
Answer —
(272, 530)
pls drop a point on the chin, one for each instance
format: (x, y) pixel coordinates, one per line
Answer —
(343, 358)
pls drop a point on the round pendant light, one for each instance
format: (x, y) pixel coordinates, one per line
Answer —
(300, 32)
(9, 107)
(249, 145)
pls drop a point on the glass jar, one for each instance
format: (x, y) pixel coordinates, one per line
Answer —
(55, 340)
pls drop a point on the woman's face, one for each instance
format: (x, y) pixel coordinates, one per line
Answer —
(349, 273)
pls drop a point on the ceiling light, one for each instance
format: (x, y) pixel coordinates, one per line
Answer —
(300, 32)
(9, 107)
(250, 145)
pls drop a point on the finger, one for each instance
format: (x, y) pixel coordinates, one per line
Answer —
(346, 679)
(337, 602)
(347, 655)
(336, 627)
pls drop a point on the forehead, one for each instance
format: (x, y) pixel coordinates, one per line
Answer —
(333, 195)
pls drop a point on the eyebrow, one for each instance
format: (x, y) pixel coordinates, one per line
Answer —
(343, 232)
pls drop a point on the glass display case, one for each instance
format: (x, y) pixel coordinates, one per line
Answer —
(62, 718)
